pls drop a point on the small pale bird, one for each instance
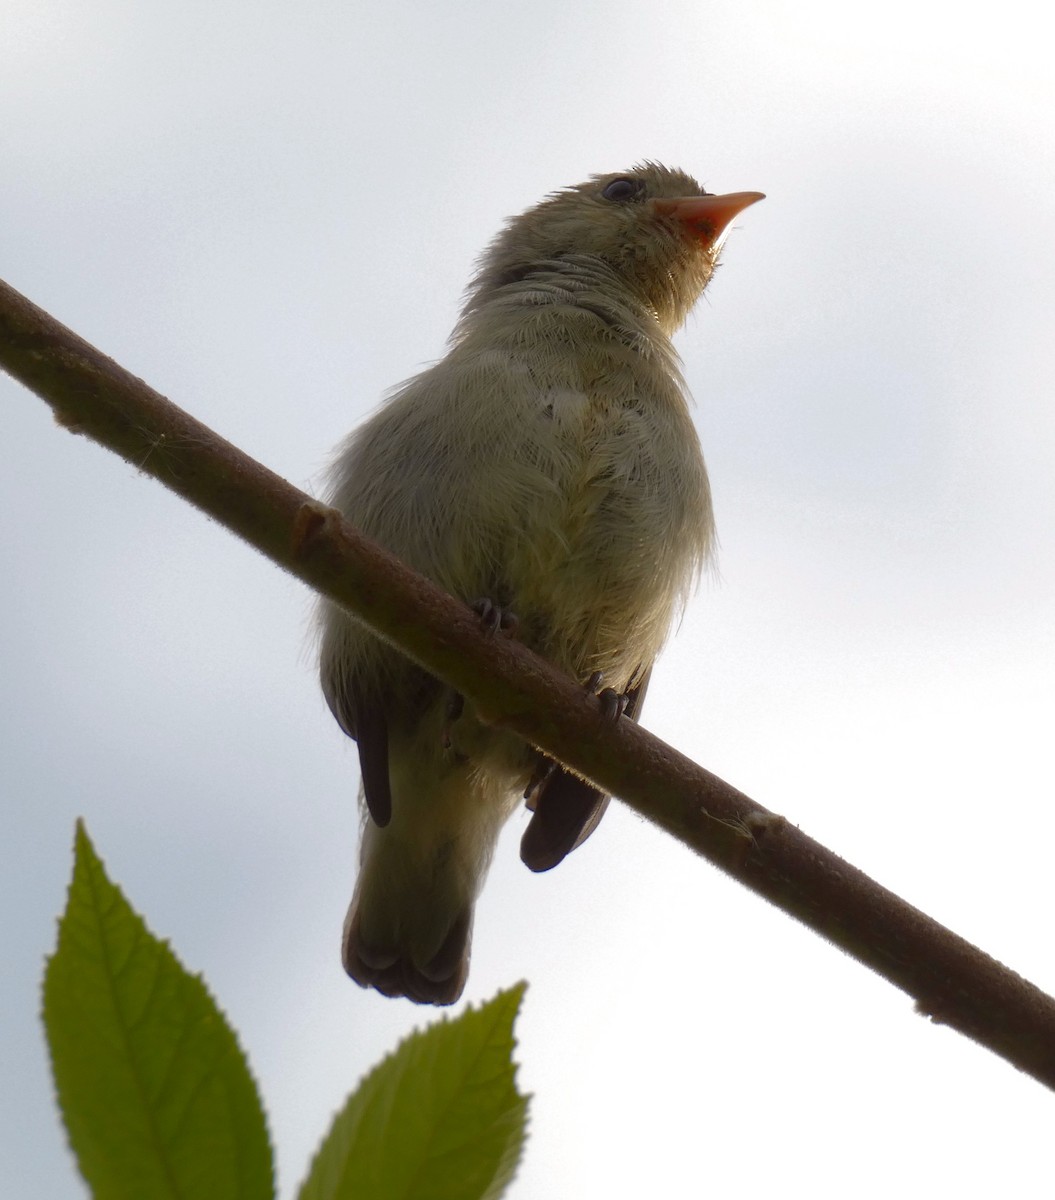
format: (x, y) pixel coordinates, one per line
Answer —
(546, 470)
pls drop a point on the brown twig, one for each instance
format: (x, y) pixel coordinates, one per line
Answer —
(952, 981)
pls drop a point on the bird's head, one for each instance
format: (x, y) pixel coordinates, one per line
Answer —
(652, 231)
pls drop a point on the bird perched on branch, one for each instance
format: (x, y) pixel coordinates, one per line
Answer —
(547, 470)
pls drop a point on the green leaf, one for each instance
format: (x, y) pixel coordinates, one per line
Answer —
(154, 1090)
(439, 1119)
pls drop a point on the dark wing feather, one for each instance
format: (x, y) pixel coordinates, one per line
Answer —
(367, 724)
(566, 808)
(372, 740)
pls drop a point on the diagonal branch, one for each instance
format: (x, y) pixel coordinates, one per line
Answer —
(952, 981)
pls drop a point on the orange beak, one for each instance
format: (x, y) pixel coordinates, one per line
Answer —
(707, 217)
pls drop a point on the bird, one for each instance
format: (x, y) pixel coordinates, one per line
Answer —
(546, 471)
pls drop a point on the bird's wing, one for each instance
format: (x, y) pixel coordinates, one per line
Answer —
(364, 720)
(567, 809)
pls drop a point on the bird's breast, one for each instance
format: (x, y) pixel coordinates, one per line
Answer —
(608, 512)
(560, 478)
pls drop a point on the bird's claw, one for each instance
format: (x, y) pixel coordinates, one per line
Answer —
(544, 768)
(613, 703)
(493, 618)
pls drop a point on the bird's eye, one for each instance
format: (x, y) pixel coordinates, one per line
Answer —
(622, 189)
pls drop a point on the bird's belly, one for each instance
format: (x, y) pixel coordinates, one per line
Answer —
(593, 571)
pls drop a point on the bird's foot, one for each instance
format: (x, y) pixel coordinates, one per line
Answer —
(544, 768)
(493, 618)
(613, 704)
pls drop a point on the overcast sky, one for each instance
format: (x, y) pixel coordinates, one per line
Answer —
(269, 212)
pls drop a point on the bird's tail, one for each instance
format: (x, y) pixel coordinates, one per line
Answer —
(409, 926)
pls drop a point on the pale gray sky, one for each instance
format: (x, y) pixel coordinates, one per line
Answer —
(269, 212)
